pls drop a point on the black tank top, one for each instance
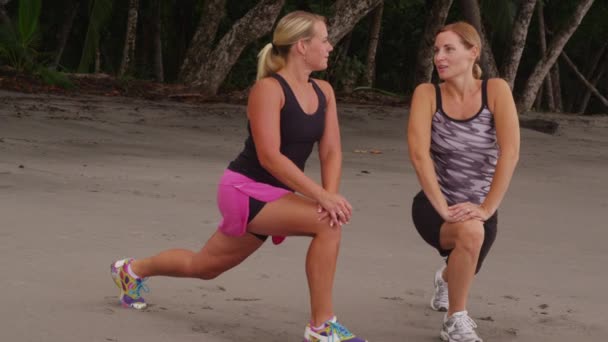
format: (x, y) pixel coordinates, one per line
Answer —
(299, 132)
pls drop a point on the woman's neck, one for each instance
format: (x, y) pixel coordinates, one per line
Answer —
(295, 73)
(461, 87)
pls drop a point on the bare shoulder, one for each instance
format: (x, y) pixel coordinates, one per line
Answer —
(424, 93)
(498, 86)
(425, 89)
(266, 84)
(266, 90)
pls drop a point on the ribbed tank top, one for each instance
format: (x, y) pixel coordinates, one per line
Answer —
(299, 132)
(464, 152)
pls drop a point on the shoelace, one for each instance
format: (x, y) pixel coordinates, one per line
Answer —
(466, 322)
(340, 329)
(140, 286)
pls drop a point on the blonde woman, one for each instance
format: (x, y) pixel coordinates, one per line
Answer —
(463, 137)
(264, 191)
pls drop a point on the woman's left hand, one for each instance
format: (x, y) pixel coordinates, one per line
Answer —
(468, 211)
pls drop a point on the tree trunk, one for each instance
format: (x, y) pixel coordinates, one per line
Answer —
(557, 87)
(62, 37)
(472, 14)
(542, 32)
(97, 60)
(518, 41)
(555, 48)
(595, 74)
(255, 24)
(538, 102)
(130, 38)
(374, 37)
(347, 14)
(590, 70)
(337, 58)
(201, 44)
(434, 21)
(588, 84)
(4, 18)
(157, 46)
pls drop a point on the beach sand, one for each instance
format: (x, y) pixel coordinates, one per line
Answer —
(87, 180)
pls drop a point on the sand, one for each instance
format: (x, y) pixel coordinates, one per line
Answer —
(87, 180)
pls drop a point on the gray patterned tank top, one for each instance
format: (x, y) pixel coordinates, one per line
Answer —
(464, 152)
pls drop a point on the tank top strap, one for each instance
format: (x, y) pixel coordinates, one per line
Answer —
(438, 98)
(284, 85)
(290, 97)
(484, 93)
(320, 94)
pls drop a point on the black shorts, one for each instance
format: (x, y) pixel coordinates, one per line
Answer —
(428, 223)
(255, 207)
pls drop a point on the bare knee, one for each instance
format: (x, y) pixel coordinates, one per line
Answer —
(327, 233)
(470, 238)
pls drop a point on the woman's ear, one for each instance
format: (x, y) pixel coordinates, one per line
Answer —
(300, 46)
(476, 53)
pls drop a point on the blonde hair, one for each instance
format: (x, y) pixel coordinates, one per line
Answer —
(469, 37)
(291, 28)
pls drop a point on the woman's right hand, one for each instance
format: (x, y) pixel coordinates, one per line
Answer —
(448, 216)
(335, 207)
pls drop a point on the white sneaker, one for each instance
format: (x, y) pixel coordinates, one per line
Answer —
(440, 301)
(459, 328)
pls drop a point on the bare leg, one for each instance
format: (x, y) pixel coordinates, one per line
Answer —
(296, 215)
(465, 240)
(220, 253)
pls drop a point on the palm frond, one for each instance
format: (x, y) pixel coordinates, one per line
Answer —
(27, 22)
(100, 11)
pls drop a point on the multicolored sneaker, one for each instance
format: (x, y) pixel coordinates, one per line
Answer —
(332, 332)
(440, 301)
(130, 287)
(459, 328)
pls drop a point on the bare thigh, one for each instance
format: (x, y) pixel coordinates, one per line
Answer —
(288, 216)
(223, 252)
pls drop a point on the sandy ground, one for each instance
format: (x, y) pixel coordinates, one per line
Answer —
(84, 181)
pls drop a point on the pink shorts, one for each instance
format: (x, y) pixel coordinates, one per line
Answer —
(233, 195)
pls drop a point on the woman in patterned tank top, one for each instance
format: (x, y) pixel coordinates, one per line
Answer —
(463, 138)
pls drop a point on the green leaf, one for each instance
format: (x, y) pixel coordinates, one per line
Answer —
(29, 12)
(99, 14)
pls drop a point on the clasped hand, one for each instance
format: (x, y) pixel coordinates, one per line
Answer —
(336, 208)
(466, 211)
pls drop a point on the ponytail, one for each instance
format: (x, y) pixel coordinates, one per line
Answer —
(291, 28)
(477, 71)
(269, 61)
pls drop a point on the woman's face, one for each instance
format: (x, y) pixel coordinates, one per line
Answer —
(452, 58)
(318, 48)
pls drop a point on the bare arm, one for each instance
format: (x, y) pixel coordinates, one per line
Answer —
(330, 148)
(263, 111)
(419, 144)
(507, 135)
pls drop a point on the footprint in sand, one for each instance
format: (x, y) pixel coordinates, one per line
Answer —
(200, 329)
(241, 299)
(212, 289)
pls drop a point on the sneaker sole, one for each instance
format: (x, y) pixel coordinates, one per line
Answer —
(444, 336)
